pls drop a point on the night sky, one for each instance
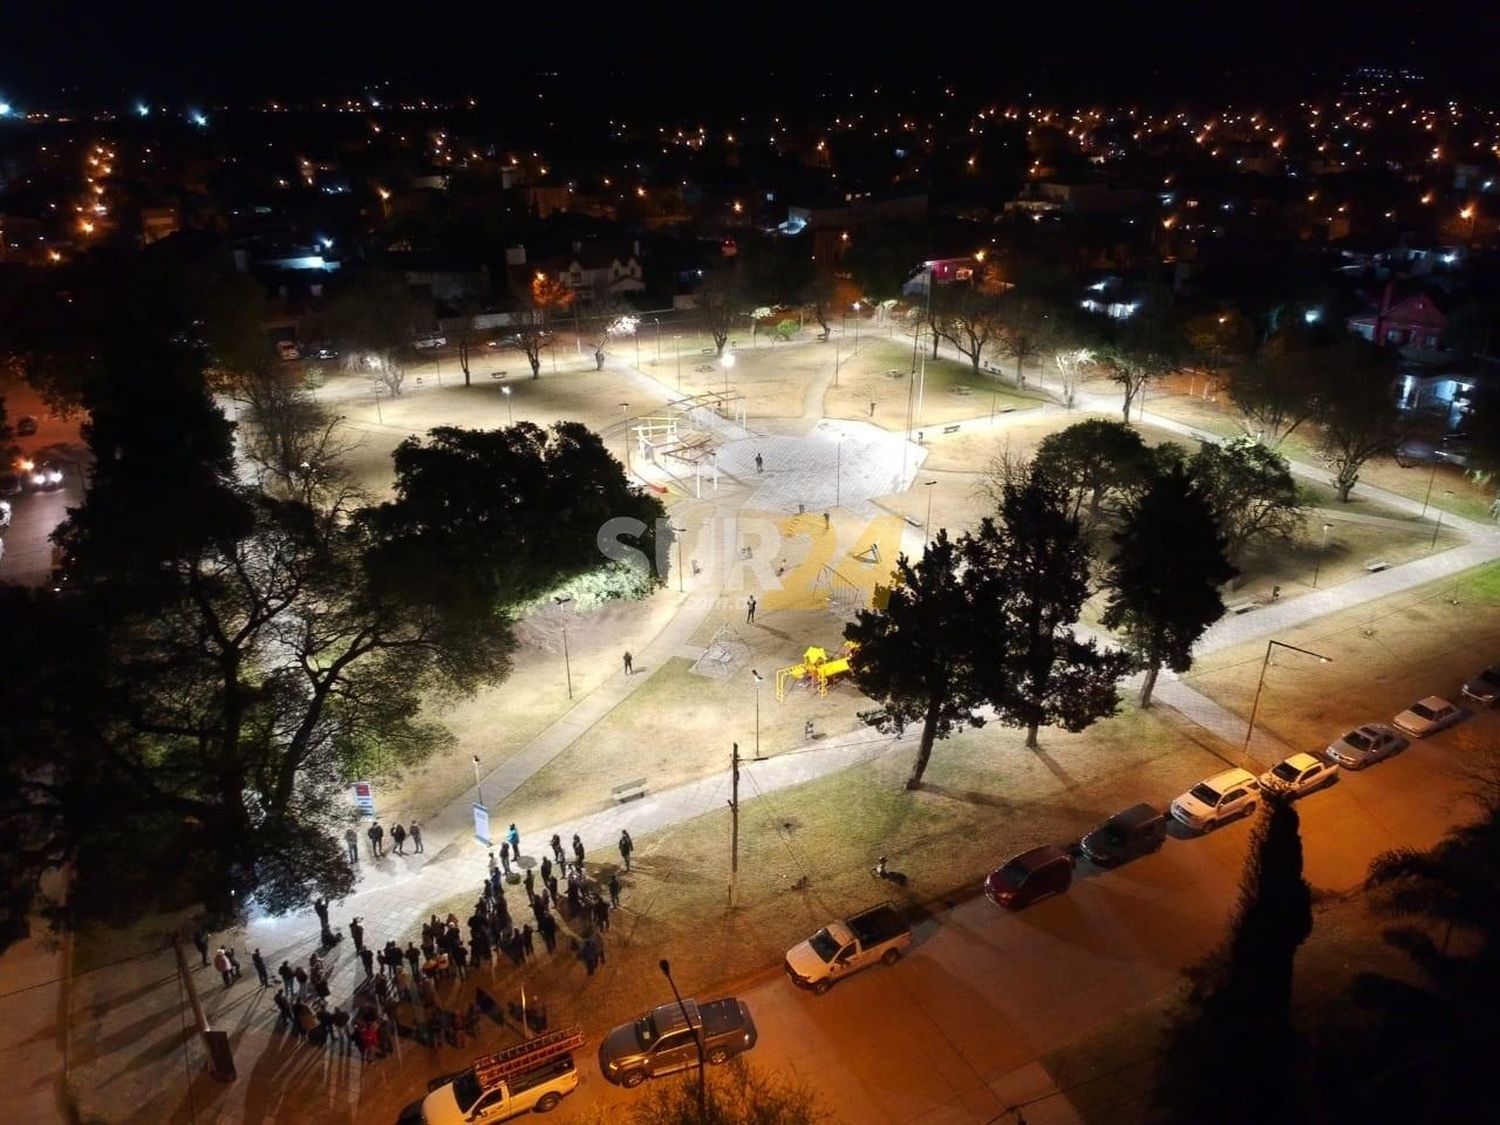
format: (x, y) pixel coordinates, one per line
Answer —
(113, 52)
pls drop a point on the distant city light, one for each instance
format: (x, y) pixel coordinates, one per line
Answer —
(142, 109)
(197, 118)
(1312, 316)
(5, 109)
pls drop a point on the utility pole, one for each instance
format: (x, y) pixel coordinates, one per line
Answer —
(734, 819)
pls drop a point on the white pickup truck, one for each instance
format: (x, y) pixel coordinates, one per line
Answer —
(841, 948)
(533, 1077)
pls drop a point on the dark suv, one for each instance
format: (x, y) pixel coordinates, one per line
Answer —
(1032, 875)
(1125, 836)
(661, 1041)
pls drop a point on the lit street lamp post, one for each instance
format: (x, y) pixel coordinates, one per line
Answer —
(927, 524)
(666, 971)
(728, 363)
(677, 346)
(856, 327)
(509, 413)
(657, 321)
(838, 475)
(478, 792)
(759, 679)
(1327, 527)
(678, 533)
(1255, 707)
(567, 664)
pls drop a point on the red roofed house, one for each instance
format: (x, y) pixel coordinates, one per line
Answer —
(1414, 324)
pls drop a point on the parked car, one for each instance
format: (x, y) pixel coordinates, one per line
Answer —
(532, 1077)
(1222, 797)
(1299, 774)
(1029, 877)
(26, 426)
(1125, 836)
(430, 341)
(1484, 689)
(1427, 716)
(876, 936)
(661, 1041)
(1363, 745)
(324, 350)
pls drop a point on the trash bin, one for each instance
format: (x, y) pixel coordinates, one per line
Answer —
(220, 1056)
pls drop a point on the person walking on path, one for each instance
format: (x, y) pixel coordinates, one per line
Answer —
(200, 942)
(376, 834)
(750, 610)
(629, 664)
(627, 845)
(221, 962)
(398, 837)
(760, 463)
(513, 838)
(367, 958)
(557, 850)
(614, 890)
(351, 841)
(414, 830)
(260, 968)
(357, 932)
(578, 852)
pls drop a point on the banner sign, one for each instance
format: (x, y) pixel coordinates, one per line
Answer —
(482, 824)
(364, 799)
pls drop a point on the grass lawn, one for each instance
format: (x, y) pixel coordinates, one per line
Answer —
(773, 378)
(951, 390)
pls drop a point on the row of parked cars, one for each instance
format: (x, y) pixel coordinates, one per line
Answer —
(1141, 829)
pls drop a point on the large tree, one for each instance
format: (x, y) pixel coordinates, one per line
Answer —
(1164, 579)
(1133, 370)
(721, 298)
(293, 443)
(374, 318)
(916, 656)
(545, 298)
(1357, 416)
(1279, 387)
(1237, 1019)
(1095, 460)
(504, 514)
(1251, 490)
(1033, 564)
(968, 317)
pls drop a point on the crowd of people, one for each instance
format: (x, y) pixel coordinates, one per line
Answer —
(565, 906)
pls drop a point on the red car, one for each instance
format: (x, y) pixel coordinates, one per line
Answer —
(1032, 875)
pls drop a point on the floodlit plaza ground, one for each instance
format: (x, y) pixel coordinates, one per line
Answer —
(816, 811)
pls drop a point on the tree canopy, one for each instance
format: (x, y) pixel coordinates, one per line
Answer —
(1251, 490)
(1094, 461)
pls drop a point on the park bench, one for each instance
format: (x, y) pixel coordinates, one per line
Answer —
(963, 389)
(497, 374)
(1375, 566)
(1244, 605)
(628, 790)
(896, 373)
(704, 367)
(953, 429)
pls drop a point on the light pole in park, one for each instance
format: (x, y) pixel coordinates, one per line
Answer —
(567, 664)
(856, 327)
(838, 474)
(728, 362)
(1323, 550)
(677, 347)
(1255, 707)
(759, 679)
(657, 321)
(678, 533)
(927, 524)
(478, 792)
(509, 413)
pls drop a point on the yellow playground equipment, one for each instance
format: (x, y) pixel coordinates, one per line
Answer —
(816, 668)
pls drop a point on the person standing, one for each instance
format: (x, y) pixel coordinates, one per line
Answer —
(414, 959)
(629, 664)
(494, 865)
(505, 856)
(234, 962)
(601, 914)
(260, 968)
(552, 886)
(200, 942)
(527, 946)
(351, 841)
(367, 958)
(357, 932)
(299, 974)
(283, 1008)
(578, 852)
(627, 845)
(221, 962)
(514, 839)
(614, 891)
(530, 882)
(285, 973)
(546, 868)
(376, 834)
(760, 463)
(557, 850)
(414, 830)
(398, 837)
(750, 610)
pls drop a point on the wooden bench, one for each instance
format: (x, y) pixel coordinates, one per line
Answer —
(1375, 566)
(628, 790)
(953, 429)
(1244, 605)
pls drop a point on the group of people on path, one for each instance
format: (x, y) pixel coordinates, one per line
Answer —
(376, 833)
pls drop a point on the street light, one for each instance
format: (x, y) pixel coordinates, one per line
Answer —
(567, 664)
(759, 679)
(678, 533)
(1327, 527)
(1438, 526)
(1255, 707)
(666, 971)
(625, 411)
(838, 476)
(728, 363)
(677, 347)
(657, 321)
(927, 525)
(479, 793)
(509, 413)
(856, 327)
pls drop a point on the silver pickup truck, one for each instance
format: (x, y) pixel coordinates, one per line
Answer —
(880, 934)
